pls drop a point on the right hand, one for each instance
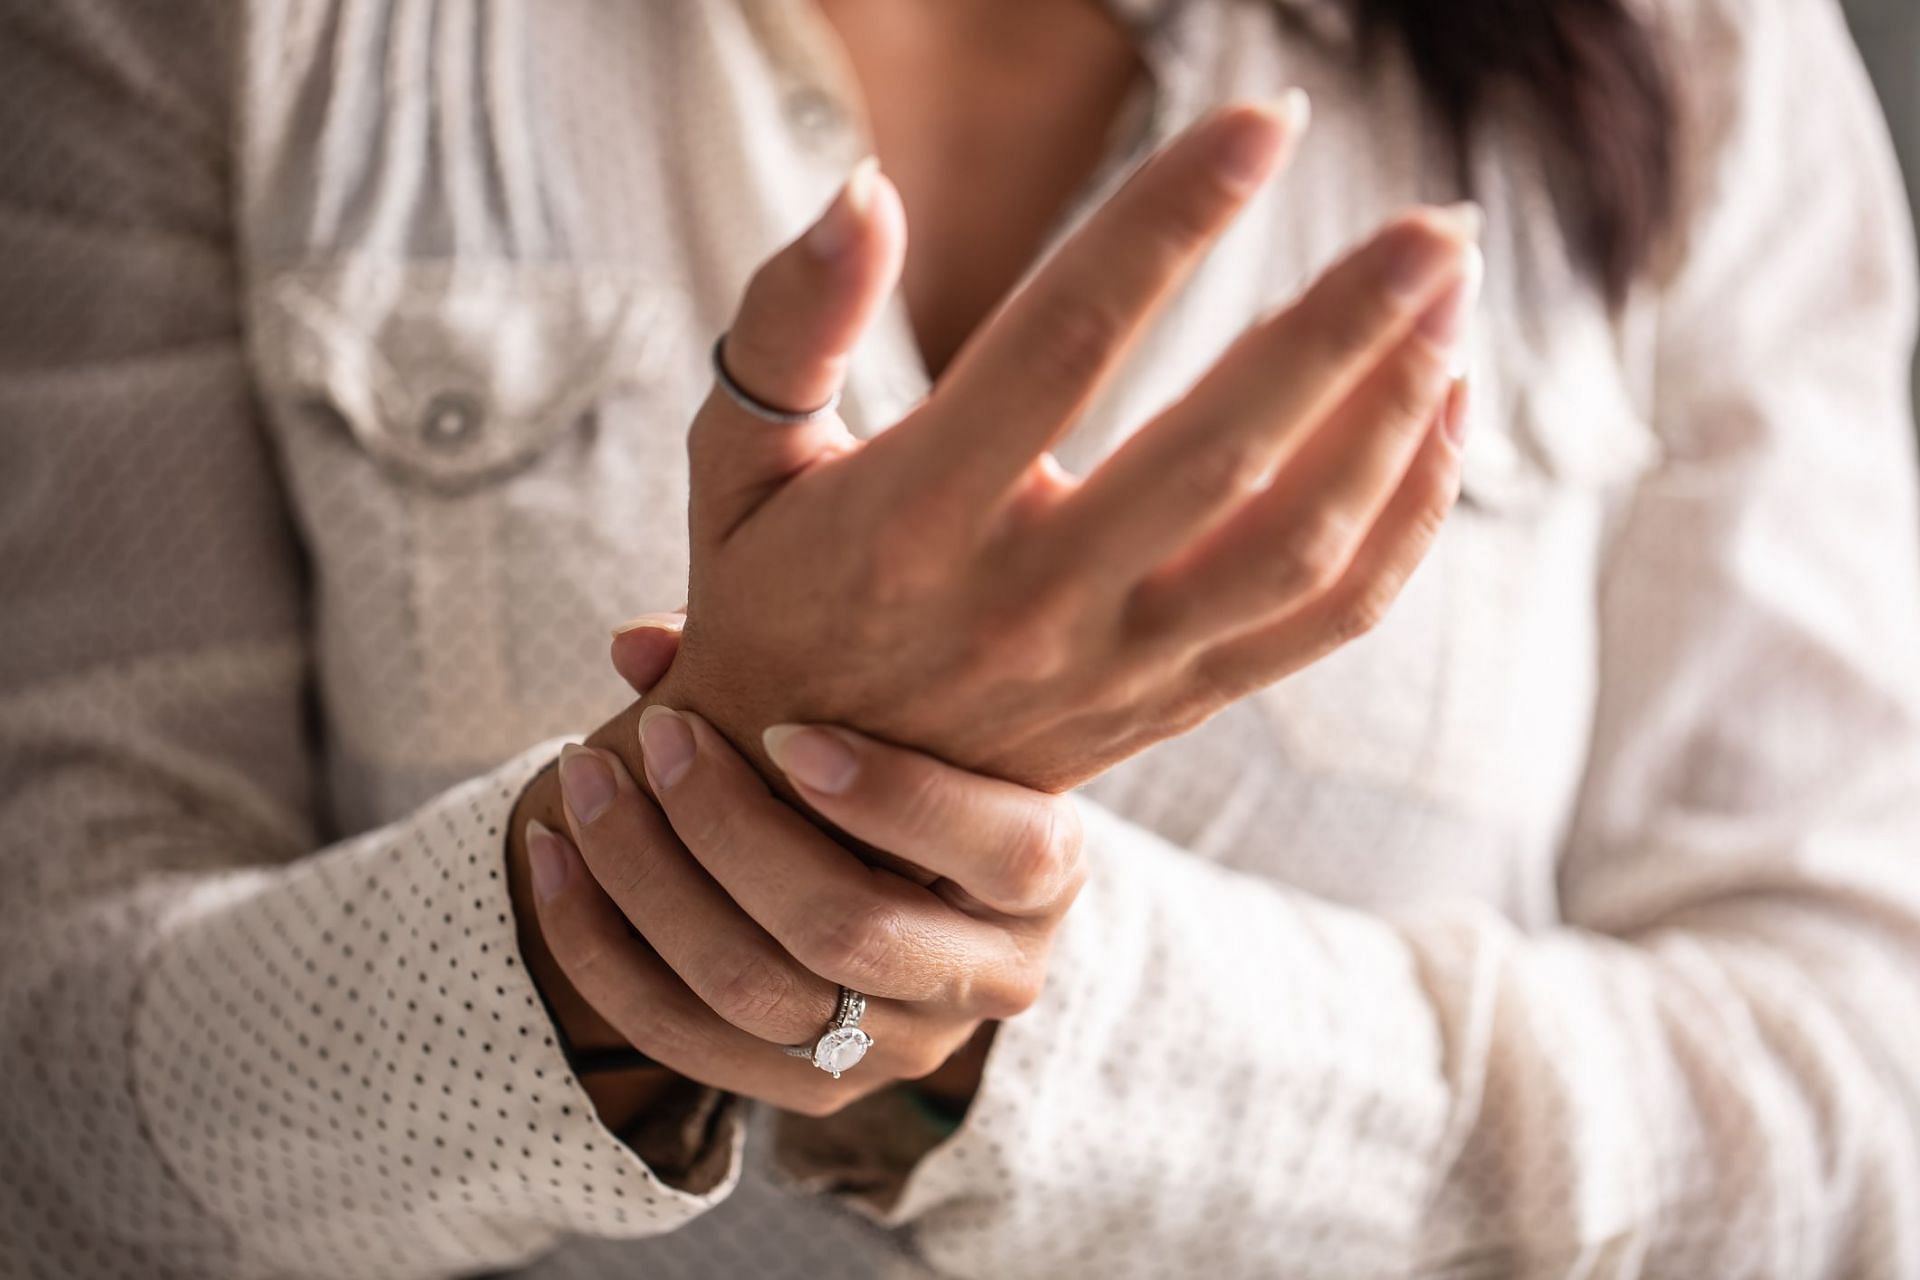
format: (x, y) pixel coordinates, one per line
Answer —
(946, 586)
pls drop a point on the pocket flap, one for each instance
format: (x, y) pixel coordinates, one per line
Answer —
(453, 374)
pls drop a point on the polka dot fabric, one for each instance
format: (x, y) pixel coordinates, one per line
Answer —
(383, 1060)
(1568, 924)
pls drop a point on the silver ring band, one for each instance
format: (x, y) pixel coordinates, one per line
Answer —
(753, 404)
(843, 1044)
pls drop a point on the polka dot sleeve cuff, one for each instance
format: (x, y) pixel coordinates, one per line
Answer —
(349, 1058)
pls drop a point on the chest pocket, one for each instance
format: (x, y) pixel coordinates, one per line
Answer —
(487, 462)
(451, 377)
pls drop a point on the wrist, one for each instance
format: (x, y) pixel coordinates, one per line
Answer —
(620, 1096)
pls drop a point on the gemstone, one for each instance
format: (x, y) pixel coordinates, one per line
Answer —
(841, 1050)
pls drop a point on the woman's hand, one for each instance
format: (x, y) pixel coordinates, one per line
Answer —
(945, 585)
(751, 918)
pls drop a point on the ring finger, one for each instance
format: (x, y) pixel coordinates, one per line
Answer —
(646, 1002)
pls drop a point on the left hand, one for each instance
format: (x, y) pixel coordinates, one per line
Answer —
(751, 917)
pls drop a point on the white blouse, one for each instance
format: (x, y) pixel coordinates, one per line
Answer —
(1567, 925)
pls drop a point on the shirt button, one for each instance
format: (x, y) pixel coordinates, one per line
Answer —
(813, 112)
(451, 420)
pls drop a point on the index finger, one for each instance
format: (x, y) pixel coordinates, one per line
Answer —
(1013, 850)
(1032, 367)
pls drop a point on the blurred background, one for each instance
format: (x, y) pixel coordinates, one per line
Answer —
(1889, 33)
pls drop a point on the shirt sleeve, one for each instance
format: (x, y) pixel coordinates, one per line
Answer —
(1712, 1067)
(228, 1050)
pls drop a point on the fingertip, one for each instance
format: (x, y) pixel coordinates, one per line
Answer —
(550, 861)
(642, 652)
(671, 622)
(1254, 141)
(1296, 108)
(667, 745)
(866, 208)
(815, 758)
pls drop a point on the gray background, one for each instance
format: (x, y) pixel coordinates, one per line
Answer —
(1889, 33)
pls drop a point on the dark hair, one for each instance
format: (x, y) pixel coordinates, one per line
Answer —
(1590, 77)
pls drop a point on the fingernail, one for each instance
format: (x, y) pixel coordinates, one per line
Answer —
(1424, 257)
(817, 759)
(666, 740)
(1251, 152)
(840, 224)
(548, 861)
(1467, 217)
(585, 783)
(1453, 420)
(652, 622)
(1448, 323)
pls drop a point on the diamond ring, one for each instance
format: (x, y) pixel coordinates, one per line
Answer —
(843, 1044)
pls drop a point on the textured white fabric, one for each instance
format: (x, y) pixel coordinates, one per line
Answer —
(1567, 925)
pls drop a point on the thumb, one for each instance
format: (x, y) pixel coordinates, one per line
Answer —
(787, 348)
(644, 647)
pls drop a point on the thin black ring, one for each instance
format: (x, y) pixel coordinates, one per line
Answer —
(756, 406)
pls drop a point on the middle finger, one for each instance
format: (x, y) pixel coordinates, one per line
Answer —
(1032, 367)
(856, 925)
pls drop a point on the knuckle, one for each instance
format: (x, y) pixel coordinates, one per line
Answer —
(1037, 858)
(1336, 332)
(1073, 339)
(700, 826)
(920, 799)
(631, 875)
(1415, 382)
(1224, 472)
(850, 947)
(1364, 612)
(754, 991)
(1012, 995)
(1314, 555)
(1216, 678)
(1026, 867)
(1033, 635)
(1179, 217)
(585, 957)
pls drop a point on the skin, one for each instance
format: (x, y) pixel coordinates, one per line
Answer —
(998, 631)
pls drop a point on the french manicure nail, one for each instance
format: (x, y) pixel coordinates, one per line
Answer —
(1448, 323)
(652, 622)
(817, 759)
(841, 222)
(666, 740)
(1423, 257)
(1250, 154)
(548, 861)
(585, 783)
(1467, 217)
